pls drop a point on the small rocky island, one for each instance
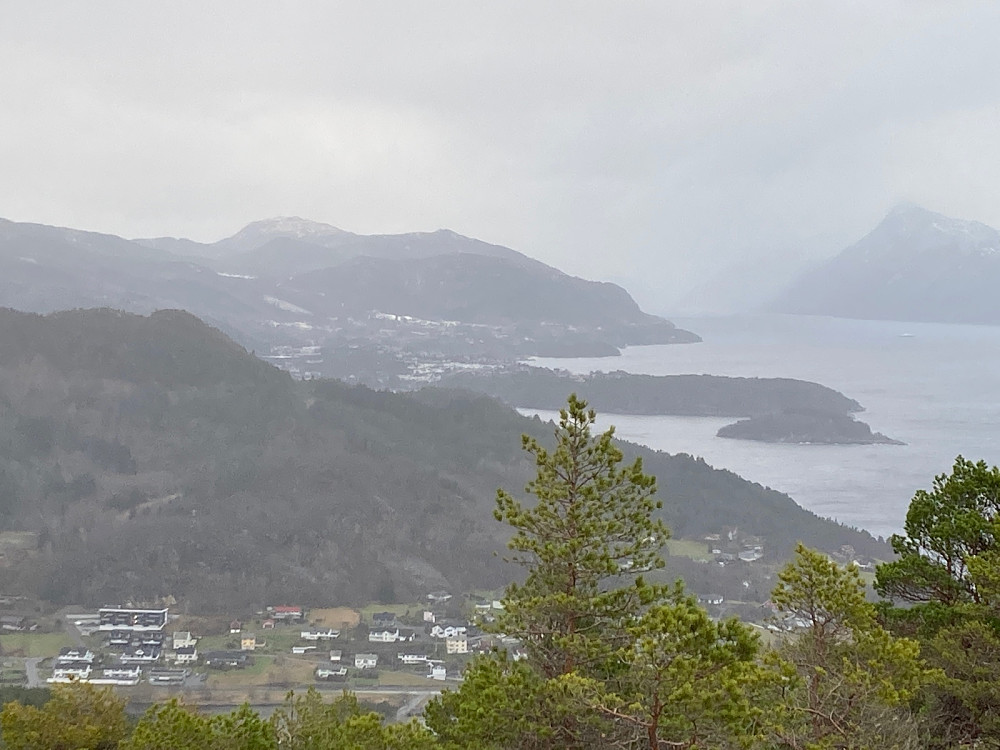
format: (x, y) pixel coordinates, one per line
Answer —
(806, 426)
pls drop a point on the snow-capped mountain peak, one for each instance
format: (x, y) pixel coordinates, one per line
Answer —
(924, 228)
(259, 233)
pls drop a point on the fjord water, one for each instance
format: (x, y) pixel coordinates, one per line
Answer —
(936, 387)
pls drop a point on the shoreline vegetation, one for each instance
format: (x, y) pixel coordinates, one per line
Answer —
(774, 410)
(667, 395)
(805, 427)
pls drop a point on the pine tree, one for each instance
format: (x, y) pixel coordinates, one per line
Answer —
(854, 677)
(612, 660)
(586, 543)
(948, 571)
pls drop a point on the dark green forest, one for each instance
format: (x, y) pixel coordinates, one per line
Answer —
(152, 457)
(683, 395)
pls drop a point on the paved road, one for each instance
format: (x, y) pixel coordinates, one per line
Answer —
(71, 629)
(412, 706)
(31, 671)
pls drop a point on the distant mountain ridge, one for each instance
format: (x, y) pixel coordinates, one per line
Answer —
(916, 265)
(290, 285)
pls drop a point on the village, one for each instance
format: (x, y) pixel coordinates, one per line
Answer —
(419, 646)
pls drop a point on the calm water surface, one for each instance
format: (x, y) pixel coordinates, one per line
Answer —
(935, 387)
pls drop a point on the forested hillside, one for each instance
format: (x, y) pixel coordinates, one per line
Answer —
(627, 393)
(144, 457)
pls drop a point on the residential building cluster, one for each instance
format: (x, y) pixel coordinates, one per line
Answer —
(136, 644)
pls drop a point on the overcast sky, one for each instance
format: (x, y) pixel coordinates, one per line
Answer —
(659, 144)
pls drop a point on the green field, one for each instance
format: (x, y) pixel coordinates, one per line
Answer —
(33, 644)
(218, 643)
(255, 674)
(281, 640)
(13, 675)
(402, 679)
(695, 549)
(414, 608)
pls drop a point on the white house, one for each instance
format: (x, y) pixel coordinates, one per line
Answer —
(186, 655)
(71, 672)
(122, 674)
(412, 658)
(383, 636)
(365, 661)
(319, 635)
(390, 636)
(302, 649)
(183, 639)
(113, 618)
(323, 673)
(141, 655)
(123, 677)
(447, 631)
(336, 655)
(71, 654)
(438, 672)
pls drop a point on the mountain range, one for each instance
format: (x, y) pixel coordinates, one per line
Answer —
(916, 265)
(329, 302)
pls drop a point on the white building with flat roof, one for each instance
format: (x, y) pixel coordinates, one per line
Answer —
(114, 618)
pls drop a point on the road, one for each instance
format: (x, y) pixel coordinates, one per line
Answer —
(31, 672)
(412, 706)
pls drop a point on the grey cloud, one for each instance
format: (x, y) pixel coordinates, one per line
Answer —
(656, 143)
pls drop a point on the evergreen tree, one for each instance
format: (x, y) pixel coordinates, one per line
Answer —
(586, 543)
(946, 528)
(690, 681)
(612, 660)
(948, 573)
(307, 722)
(853, 678)
(78, 715)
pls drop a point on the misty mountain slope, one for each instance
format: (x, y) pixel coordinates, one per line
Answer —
(253, 237)
(262, 245)
(153, 456)
(44, 269)
(322, 300)
(915, 265)
(280, 256)
(469, 288)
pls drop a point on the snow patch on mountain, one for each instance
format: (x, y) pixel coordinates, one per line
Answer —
(286, 306)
